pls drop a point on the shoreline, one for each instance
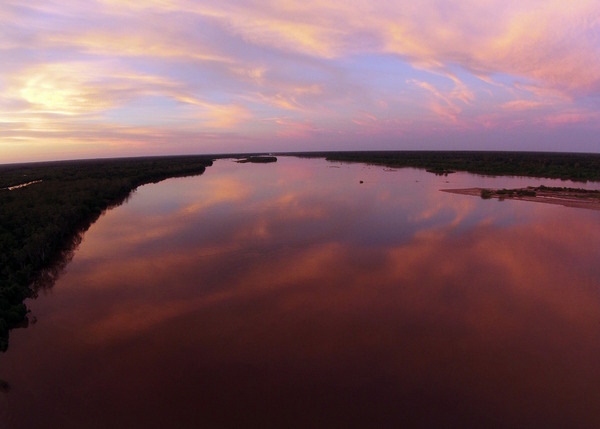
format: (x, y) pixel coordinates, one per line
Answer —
(563, 198)
(578, 167)
(41, 225)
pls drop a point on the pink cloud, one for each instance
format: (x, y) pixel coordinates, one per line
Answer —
(225, 68)
(522, 105)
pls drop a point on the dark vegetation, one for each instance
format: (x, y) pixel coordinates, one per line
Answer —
(589, 192)
(41, 224)
(504, 193)
(258, 159)
(438, 171)
(486, 194)
(573, 166)
(546, 190)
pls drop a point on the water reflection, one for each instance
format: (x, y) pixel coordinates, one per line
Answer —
(291, 295)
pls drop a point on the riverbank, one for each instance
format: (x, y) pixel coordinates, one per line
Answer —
(580, 167)
(568, 197)
(41, 224)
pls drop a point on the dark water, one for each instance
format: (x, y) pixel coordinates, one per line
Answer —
(291, 295)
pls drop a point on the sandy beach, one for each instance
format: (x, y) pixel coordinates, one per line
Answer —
(583, 200)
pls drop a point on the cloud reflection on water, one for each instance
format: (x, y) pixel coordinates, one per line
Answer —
(290, 303)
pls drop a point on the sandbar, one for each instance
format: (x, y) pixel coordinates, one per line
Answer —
(569, 198)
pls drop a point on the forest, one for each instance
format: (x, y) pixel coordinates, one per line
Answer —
(580, 167)
(41, 223)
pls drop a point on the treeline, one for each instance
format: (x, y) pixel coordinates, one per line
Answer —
(257, 159)
(40, 223)
(532, 191)
(503, 193)
(573, 166)
(592, 192)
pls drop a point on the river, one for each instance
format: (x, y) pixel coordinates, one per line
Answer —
(293, 295)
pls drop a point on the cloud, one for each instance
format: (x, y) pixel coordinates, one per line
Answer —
(445, 105)
(233, 65)
(522, 105)
(539, 40)
(64, 89)
(571, 117)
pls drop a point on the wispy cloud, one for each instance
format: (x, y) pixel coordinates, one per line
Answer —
(229, 66)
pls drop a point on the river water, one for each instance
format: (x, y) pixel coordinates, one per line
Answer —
(293, 295)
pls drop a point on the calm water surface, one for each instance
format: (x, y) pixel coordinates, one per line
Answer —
(291, 295)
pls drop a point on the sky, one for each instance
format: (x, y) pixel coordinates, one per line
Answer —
(105, 78)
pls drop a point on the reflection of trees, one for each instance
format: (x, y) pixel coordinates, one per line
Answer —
(42, 224)
(577, 167)
(17, 314)
(50, 274)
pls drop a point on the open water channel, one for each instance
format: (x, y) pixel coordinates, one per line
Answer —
(292, 295)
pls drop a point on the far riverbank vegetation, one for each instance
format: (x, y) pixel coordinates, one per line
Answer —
(580, 167)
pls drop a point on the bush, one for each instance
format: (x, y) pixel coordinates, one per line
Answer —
(486, 194)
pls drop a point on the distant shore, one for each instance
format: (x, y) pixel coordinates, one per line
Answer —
(580, 167)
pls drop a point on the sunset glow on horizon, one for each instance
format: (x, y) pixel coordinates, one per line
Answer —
(107, 78)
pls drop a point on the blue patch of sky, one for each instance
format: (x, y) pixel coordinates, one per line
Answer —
(387, 78)
(388, 75)
(590, 101)
(496, 87)
(37, 21)
(503, 79)
(381, 72)
(146, 111)
(205, 83)
(495, 90)
(267, 111)
(510, 81)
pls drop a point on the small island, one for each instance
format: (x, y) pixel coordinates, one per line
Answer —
(569, 197)
(439, 171)
(258, 159)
